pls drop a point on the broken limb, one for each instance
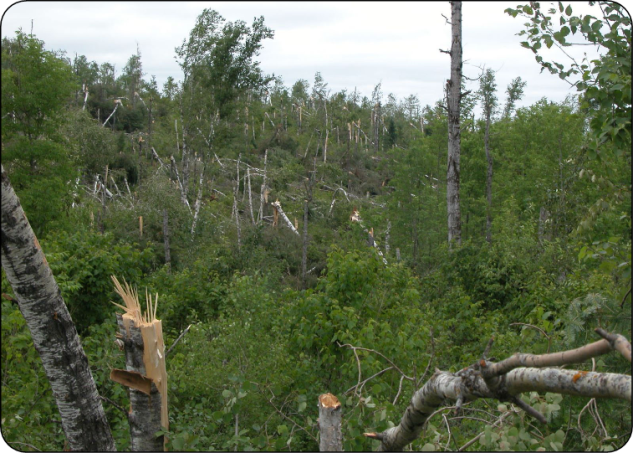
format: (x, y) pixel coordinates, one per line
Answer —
(277, 206)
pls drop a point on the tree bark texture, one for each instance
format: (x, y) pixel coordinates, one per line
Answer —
(331, 438)
(53, 332)
(454, 133)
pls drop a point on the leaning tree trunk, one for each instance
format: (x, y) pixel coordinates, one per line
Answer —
(454, 133)
(52, 329)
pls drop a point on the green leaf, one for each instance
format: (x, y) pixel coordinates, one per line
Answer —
(568, 10)
(428, 447)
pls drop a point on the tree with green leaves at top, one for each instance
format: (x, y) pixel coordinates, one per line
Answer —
(605, 82)
(487, 88)
(36, 87)
(219, 57)
(515, 93)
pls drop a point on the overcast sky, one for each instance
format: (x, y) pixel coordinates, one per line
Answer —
(352, 44)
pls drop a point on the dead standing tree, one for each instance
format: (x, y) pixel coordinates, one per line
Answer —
(54, 334)
(506, 380)
(454, 85)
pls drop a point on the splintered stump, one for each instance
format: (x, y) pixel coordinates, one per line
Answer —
(145, 374)
(330, 423)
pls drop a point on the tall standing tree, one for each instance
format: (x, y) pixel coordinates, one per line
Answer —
(52, 329)
(515, 93)
(454, 132)
(219, 58)
(487, 88)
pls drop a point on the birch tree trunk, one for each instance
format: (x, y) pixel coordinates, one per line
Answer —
(505, 380)
(454, 133)
(53, 332)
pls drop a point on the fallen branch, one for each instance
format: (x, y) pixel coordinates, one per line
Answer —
(178, 339)
(504, 381)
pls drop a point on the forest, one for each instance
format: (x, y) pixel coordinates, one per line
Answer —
(301, 242)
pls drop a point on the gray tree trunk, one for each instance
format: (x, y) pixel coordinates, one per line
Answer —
(166, 238)
(331, 438)
(54, 334)
(454, 133)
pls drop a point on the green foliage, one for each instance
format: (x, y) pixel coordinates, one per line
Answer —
(220, 55)
(193, 294)
(35, 87)
(83, 262)
(29, 413)
(605, 82)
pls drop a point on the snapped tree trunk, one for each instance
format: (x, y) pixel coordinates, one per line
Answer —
(330, 414)
(454, 133)
(53, 332)
(145, 374)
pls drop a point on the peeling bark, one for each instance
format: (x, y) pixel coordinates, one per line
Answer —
(54, 334)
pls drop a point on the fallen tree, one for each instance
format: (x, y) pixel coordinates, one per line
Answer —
(506, 380)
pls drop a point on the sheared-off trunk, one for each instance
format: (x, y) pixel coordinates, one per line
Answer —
(53, 332)
(331, 438)
(145, 374)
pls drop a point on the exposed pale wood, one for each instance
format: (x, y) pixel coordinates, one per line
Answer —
(142, 337)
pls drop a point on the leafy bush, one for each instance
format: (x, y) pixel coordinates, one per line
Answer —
(82, 263)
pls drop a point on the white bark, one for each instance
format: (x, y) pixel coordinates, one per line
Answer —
(505, 380)
(277, 205)
(118, 102)
(54, 335)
